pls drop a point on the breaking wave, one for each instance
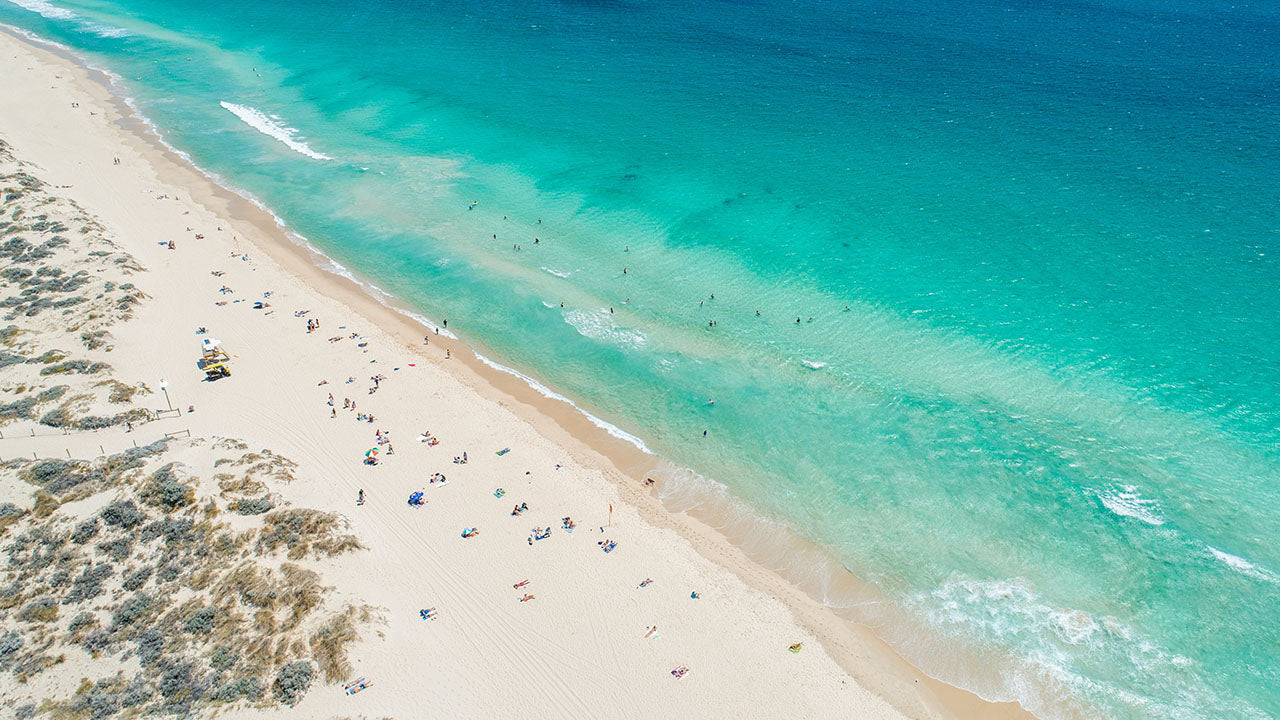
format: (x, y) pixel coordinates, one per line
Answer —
(273, 126)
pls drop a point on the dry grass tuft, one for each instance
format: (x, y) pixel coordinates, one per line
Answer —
(304, 531)
(329, 646)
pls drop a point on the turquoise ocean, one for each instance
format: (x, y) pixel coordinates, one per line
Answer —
(1033, 398)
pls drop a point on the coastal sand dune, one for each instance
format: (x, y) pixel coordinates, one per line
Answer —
(580, 644)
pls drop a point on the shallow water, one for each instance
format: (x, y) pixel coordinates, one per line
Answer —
(1035, 407)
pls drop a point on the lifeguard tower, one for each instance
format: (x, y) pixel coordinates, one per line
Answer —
(214, 359)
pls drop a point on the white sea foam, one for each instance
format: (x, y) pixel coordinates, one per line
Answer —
(1239, 564)
(813, 364)
(273, 126)
(599, 325)
(555, 272)
(1126, 502)
(46, 9)
(54, 12)
(547, 392)
(106, 31)
(1048, 644)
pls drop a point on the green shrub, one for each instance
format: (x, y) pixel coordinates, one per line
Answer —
(119, 549)
(249, 688)
(88, 584)
(181, 681)
(292, 681)
(42, 610)
(85, 531)
(83, 367)
(20, 409)
(10, 644)
(58, 418)
(94, 340)
(137, 578)
(252, 506)
(150, 645)
(201, 623)
(130, 610)
(167, 491)
(81, 622)
(223, 657)
(48, 357)
(52, 393)
(136, 693)
(123, 514)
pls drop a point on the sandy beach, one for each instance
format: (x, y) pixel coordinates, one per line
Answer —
(577, 640)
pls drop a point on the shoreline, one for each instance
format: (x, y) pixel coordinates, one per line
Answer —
(869, 660)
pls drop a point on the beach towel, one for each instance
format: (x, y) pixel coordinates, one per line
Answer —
(503, 451)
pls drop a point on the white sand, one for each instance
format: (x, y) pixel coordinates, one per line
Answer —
(577, 649)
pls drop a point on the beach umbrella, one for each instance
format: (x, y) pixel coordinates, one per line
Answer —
(371, 452)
